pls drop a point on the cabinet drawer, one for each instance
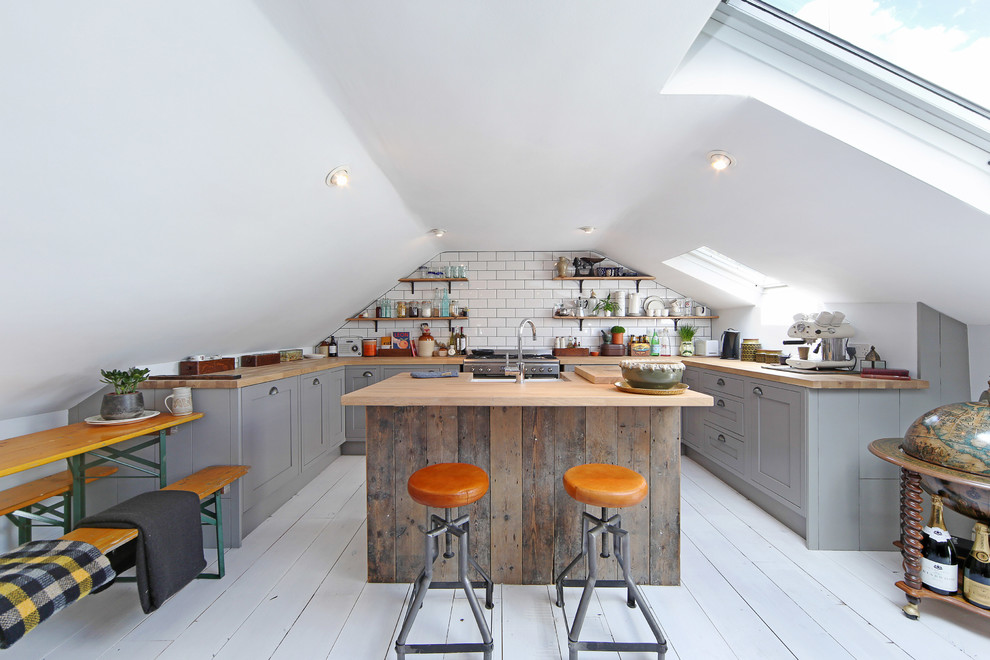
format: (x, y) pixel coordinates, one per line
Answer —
(727, 413)
(726, 448)
(714, 382)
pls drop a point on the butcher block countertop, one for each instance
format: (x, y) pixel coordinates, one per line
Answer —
(570, 390)
(823, 381)
(256, 375)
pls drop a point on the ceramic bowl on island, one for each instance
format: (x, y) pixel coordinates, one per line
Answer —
(651, 375)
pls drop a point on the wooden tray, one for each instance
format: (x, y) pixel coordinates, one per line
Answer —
(680, 388)
(395, 352)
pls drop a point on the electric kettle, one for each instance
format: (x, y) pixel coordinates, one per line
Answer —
(730, 345)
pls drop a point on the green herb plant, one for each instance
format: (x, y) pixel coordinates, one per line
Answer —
(606, 305)
(687, 332)
(618, 330)
(124, 382)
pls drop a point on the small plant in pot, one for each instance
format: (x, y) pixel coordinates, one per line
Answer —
(125, 402)
(617, 334)
(606, 306)
(687, 333)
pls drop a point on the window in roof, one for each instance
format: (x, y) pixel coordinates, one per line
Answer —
(723, 272)
(940, 45)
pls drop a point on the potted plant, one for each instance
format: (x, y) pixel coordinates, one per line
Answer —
(617, 334)
(607, 306)
(687, 333)
(125, 402)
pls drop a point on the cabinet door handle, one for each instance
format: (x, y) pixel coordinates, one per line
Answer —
(720, 382)
(757, 391)
(721, 438)
(367, 374)
(316, 381)
(273, 391)
(720, 403)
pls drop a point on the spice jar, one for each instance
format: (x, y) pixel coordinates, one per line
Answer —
(413, 309)
(400, 309)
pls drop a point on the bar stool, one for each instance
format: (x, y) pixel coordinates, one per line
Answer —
(446, 486)
(605, 486)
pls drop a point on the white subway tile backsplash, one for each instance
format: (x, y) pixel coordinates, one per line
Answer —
(506, 287)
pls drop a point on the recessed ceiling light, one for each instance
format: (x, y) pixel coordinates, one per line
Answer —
(720, 160)
(339, 176)
(586, 229)
(438, 232)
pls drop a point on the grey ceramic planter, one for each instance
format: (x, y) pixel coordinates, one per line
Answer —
(122, 406)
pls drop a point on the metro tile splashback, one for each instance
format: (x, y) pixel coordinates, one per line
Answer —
(503, 288)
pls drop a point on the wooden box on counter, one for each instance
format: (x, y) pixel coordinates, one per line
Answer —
(570, 352)
(197, 367)
(260, 359)
(613, 350)
(395, 352)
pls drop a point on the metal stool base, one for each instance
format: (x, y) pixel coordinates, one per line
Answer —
(592, 526)
(448, 528)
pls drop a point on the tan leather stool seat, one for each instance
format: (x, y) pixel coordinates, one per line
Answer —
(448, 485)
(608, 486)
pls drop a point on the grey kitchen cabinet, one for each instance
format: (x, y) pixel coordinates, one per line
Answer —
(321, 417)
(725, 447)
(692, 418)
(356, 377)
(270, 434)
(777, 439)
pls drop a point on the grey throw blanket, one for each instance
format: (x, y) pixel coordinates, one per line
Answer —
(169, 550)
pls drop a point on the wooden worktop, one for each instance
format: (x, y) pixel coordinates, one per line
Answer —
(825, 381)
(570, 390)
(255, 375)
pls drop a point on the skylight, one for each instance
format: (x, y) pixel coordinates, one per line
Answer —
(940, 45)
(724, 272)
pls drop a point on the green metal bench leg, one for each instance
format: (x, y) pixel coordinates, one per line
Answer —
(215, 518)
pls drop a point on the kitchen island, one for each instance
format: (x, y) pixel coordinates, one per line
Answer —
(525, 436)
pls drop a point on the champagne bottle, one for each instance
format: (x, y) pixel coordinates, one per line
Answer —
(976, 572)
(939, 560)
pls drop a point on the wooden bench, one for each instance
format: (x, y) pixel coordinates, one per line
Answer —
(22, 504)
(207, 483)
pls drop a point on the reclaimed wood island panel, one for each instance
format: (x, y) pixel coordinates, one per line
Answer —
(525, 436)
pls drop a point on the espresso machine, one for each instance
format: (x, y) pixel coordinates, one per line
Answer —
(829, 333)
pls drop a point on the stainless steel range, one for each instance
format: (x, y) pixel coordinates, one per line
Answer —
(492, 363)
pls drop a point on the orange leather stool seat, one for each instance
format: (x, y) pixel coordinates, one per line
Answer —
(448, 485)
(607, 486)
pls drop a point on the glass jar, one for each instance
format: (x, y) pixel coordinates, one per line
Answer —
(426, 309)
(413, 309)
(400, 309)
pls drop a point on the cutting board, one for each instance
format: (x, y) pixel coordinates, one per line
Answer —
(604, 374)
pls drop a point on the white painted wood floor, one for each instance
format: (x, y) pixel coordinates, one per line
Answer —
(296, 589)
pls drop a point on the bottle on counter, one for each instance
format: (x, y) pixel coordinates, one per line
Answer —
(664, 343)
(332, 347)
(976, 571)
(939, 561)
(654, 344)
(461, 342)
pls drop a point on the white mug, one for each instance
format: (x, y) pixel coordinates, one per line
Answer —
(181, 399)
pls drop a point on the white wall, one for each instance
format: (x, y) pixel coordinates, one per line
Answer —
(979, 358)
(507, 287)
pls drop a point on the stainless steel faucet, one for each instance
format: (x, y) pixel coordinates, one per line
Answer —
(521, 367)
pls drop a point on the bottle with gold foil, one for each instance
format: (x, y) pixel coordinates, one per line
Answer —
(976, 572)
(939, 560)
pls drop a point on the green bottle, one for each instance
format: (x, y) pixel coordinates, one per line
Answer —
(654, 344)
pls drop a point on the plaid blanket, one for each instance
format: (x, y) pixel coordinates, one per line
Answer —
(39, 578)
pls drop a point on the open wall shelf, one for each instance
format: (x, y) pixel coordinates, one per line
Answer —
(582, 319)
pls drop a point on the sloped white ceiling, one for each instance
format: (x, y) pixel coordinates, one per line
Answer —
(162, 171)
